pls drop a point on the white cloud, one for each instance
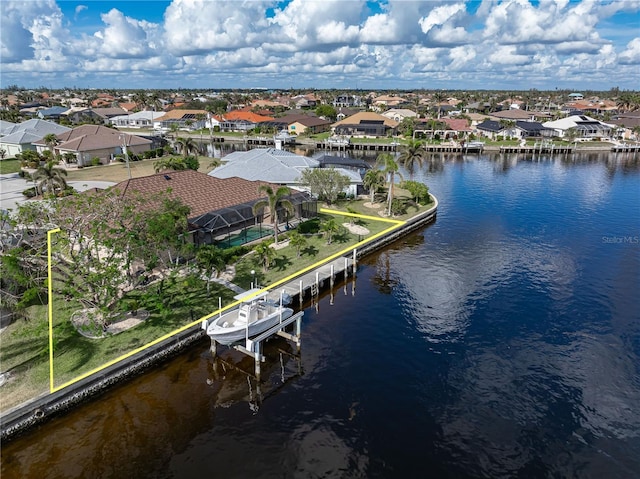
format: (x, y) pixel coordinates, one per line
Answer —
(124, 37)
(79, 9)
(333, 42)
(194, 27)
(26, 27)
(440, 16)
(631, 56)
(507, 55)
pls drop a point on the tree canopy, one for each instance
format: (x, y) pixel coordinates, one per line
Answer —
(105, 239)
(324, 183)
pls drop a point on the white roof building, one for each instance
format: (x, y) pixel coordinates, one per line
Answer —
(141, 119)
(585, 126)
(19, 137)
(274, 166)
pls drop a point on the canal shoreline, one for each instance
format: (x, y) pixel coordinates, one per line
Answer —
(33, 413)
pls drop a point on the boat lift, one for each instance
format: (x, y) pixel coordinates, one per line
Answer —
(253, 346)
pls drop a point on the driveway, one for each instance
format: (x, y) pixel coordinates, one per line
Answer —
(12, 186)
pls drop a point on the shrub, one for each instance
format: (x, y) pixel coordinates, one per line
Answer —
(95, 161)
(147, 155)
(311, 226)
(398, 207)
(30, 192)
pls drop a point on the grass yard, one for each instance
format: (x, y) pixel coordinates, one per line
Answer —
(25, 343)
(287, 262)
(117, 172)
(10, 165)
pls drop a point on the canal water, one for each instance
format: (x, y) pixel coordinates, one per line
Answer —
(501, 341)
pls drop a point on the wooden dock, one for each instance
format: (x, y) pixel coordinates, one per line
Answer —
(538, 149)
(625, 148)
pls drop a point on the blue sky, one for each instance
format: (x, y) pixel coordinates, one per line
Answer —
(480, 44)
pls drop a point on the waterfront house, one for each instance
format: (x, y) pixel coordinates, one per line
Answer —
(142, 119)
(218, 206)
(184, 119)
(491, 129)
(347, 101)
(365, 124)
(584, 126)
(512, 115)
(531, 129)
(275, 166)
(244, 121)
(309, 124)
(53, 113)
(399, 114)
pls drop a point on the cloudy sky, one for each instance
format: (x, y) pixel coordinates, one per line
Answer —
(479, 44)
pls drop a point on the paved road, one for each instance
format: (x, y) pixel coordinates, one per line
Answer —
(12, 186)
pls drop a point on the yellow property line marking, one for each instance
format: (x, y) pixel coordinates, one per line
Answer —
(395, 224)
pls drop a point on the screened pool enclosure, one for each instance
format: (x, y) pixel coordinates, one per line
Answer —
(238, 225)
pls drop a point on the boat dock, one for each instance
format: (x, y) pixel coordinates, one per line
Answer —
(309, 284)
(543, 148)
(625, 148)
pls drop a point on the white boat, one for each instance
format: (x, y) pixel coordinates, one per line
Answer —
(253, 316)
(475, 145)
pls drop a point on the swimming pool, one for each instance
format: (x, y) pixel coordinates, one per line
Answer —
(246, 235)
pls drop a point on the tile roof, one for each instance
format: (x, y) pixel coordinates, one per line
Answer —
(312, 121)
(95, 137)
(177, 114)
(201, 192)
(247, 116)
(366, 116)
(512, 115)
(264, 164)
(457, 124)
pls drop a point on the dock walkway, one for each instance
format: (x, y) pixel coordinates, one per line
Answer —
(311, 282)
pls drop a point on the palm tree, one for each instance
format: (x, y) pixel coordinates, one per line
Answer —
(172, 163)
(297, 241)
(274, 201)
(373, 179)
(412, 154)
(266, 254)
(439, 97)
(51, 140)
(390, 169)
(507, 125)
(330, 228)
(50, 178)
(187, 145)
(211, 261)
(215, 162)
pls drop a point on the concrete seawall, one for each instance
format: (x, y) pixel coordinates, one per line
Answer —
(39, 410)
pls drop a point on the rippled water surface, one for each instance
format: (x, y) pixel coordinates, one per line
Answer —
(501, 341)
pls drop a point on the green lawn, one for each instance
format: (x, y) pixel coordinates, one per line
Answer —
(25, 352)
(10, 165)
(287, 262)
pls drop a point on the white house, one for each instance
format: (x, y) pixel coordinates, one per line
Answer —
(141, 119)
(399, 114)
(275, 166)
(585, 127)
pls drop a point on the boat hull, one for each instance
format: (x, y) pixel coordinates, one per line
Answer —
(232, 333)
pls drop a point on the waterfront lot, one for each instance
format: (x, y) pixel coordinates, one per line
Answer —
(180, 302)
